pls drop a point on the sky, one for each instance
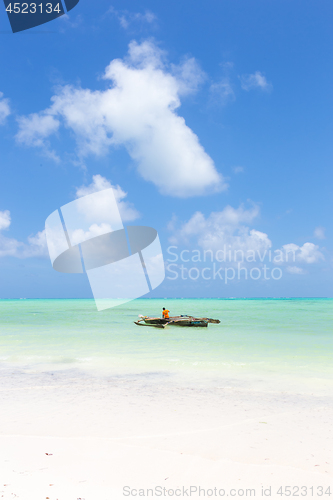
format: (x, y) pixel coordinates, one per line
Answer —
(213, 122)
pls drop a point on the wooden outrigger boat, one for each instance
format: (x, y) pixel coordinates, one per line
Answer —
(183, 320)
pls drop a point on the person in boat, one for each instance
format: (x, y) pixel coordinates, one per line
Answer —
(165, 313)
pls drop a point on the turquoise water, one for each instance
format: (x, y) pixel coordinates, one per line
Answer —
(285, 343)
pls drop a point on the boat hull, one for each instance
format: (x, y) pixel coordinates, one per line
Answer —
(155, 321)
(194, 323)
(148, 324)
(188, 321)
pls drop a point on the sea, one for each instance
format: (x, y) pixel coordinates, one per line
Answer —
(274, 345)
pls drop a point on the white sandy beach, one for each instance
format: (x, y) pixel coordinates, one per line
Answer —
(87, 437)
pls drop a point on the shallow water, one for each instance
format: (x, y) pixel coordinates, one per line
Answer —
(272, 344)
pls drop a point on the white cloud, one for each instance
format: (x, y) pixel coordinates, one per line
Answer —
(223, 228)
(9, 246)
(36, 246)
(256, 80)
(126, 18)
(5, 219)
(4, 109)
(230, 230)
(99, 183)
(79, 235)
(308, 253)
(139, 112)
(295, 270)
(319, 233)
(33, 131)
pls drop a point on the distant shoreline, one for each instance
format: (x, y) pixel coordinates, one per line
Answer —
(174, 298)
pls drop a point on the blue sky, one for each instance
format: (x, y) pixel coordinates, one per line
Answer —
(234, 110)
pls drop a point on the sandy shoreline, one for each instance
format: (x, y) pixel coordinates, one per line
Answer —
(102, 434)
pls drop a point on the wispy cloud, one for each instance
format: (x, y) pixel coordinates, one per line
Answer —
(128, 19)
(70, 22)
(189, 75)
(319, 233)
(137, 111)
(34, 129)
(99, 183)
(238, 170)
(295, 270)
(255, 81)
(35, 247)
(4, 109)
(222, 91)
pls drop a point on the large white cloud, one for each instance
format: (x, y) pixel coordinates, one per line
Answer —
(4, 109)
(226, 228)
(138, 111)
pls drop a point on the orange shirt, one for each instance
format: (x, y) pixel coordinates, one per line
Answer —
(166, 314)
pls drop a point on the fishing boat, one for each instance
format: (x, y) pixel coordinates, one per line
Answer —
(183, 320)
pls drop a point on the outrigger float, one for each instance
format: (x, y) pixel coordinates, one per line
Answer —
(183, 320)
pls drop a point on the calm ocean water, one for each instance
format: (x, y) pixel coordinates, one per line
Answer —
(282, 344)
